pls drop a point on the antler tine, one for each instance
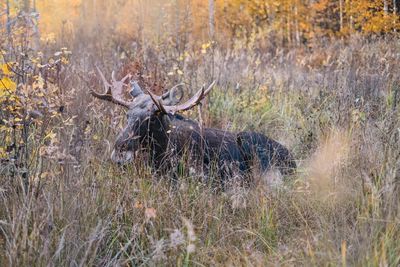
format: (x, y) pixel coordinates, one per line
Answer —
(157, 101)
(126, 77)
(107, 85)
(109, 95)
(193, 101)
(113, 76)
(171, 90)
(209, 88)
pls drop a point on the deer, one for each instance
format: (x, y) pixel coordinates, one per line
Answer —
(154, 126)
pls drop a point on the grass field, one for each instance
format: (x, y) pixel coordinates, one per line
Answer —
(336, 108)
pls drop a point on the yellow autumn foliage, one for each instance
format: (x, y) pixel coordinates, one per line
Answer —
(7, 86)
(288, 21)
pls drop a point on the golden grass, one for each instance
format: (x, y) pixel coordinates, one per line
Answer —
(342, 207)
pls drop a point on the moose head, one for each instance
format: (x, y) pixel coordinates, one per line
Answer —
(142, 109)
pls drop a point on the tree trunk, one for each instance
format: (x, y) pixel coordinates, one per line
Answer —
(288, 24)
(341, 14)
(177, 26)
(296, 14)
(349, 11)
(394, 15)
(385, 14)
(385, 7)
(8, 25)
(211, 19)
(27, 6)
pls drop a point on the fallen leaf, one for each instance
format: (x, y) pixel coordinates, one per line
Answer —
(150, 213)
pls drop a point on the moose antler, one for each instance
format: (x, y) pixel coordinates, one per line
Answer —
(113, 92)
(169, 97)
(193, 101)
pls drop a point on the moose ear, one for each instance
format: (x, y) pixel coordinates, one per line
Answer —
(135, 89)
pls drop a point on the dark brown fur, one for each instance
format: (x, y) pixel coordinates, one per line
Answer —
(170, 137)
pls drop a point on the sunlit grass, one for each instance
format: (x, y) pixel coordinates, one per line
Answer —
(341, 208)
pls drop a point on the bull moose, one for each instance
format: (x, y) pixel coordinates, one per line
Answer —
(154, 125)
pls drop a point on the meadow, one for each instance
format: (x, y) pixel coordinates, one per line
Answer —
(335, 106)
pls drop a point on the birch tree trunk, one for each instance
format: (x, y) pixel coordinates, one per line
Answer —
(288, 24)
(211, 19)
(394, 15)
(296, 14)
(385, 7)
(349, 10)
(385, 14)
(211, 22)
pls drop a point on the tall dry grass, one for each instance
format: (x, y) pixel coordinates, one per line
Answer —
(336, 108)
